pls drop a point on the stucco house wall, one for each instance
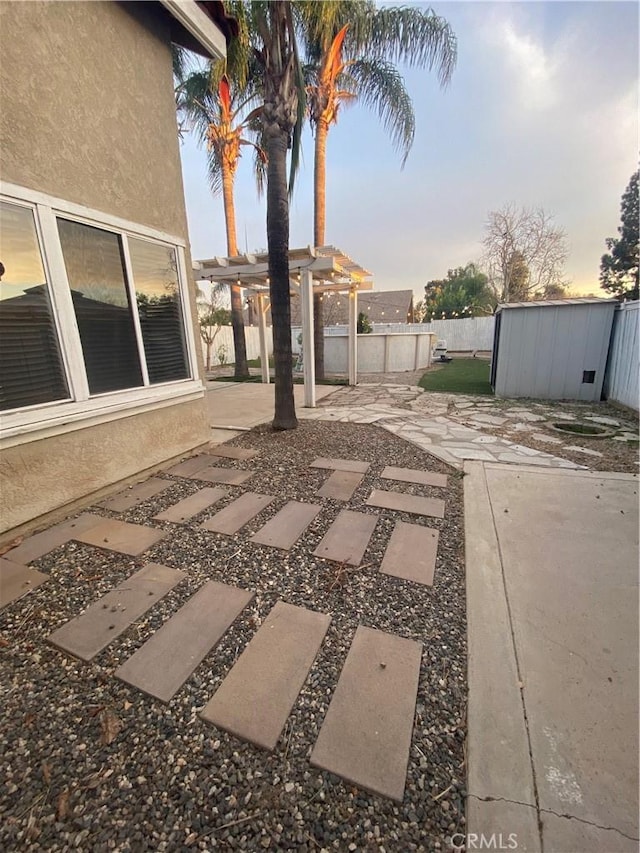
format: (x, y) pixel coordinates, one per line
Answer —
(88, 116)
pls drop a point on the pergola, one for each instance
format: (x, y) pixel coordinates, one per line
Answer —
(320, 270)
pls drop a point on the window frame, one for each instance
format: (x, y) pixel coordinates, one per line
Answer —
(70, 413)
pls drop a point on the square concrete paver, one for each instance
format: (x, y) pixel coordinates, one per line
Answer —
(341, 464)
(228, 476)
(347, 538)
(41, 543)
(256, 697)
(287, 525)
(411, 553)
(17, 580)
(190, 466)
(366, 734)
(230, 519)
(121, 536)
(340, 485)
(226, 452)
(411, 475)
(433, 507)
(107, 618)
(136, 494)
(194, 504)
(169, 657)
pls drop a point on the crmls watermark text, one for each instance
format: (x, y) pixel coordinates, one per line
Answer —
(480, 841)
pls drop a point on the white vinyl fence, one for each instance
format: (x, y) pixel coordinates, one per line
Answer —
(223, 344)
(623, 364)
(465, 334)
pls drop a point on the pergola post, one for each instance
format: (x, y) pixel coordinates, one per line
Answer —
(353, 336)
(308, 361)
(262, 329)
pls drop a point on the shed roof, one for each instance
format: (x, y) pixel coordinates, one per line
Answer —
(558, 303)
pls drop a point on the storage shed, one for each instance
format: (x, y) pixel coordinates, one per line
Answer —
(551, 350)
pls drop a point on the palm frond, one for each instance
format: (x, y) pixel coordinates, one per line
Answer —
(379, 85)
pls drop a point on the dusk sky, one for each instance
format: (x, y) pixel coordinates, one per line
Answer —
(542, 111)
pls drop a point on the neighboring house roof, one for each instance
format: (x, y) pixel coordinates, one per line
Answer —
(203, 27)
(542, 303)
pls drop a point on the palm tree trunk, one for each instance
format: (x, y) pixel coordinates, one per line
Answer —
(319, 219)
(278, 243)
(241, 369)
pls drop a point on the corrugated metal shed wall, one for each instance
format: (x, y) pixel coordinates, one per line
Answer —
(623, 369)
(545, 349)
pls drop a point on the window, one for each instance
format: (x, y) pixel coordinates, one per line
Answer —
(92, 314)
(31, 369)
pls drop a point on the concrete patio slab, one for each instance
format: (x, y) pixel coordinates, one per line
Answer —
(248, 404)
(240, 512)
(193, 505)
(163, 664)
(347, 538)
(136, 494)
(120, 536)
(286, 526)
(366, 734)
(411, 553)
(256, 697)
(411, 475)
(107, 618)
(552, 587)
(340, 485)
(17, 580)
(433, 507)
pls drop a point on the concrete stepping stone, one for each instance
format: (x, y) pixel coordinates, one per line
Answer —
(340, 485)
(163, 664)
(41, 543)
(341, 464)
(255, 699)
(228, 476)
(411, 553)
(136, 494)
(120, 536)
(194, 504)
(190, 466)
(412, 475)
(347, 538)
(366, 734)
(107, 618)
(433, 507)
(17, 580)
(287, 525)
(232, 452)
(230, 519)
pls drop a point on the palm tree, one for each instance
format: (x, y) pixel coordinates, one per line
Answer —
(282, 118)
(350, 49)
(217, 110)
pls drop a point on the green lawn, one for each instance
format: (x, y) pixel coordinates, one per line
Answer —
(460, 376)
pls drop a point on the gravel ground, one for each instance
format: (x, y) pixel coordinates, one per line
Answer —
(91, 764)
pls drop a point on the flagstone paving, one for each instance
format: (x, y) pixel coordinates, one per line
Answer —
(411, 553)
(286, 526)
(399, 502)
(17, 580)
(238, 513)
(132, 539)
(192, 505)
(366, 734)
(107, 618)
(256, 697)
(340, 485)
(136, 494)
(163, 664)
(347, 538)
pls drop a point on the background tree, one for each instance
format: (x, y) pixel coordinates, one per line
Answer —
(619, 266)
(465, 292)
(524, 253)
(216, 105)
(282, 118)
(350, 47)
(363, 326)
(212, 315)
